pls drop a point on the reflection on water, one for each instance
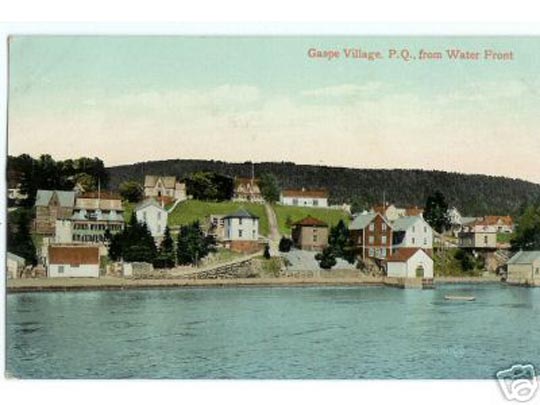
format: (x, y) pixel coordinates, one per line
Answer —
(312, 332)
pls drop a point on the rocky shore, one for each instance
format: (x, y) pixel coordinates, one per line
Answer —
(118, 283)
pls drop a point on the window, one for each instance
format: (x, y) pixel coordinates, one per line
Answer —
(314, 237)
(371, 239)
(425, 229)
(295, 201)
(239, 221)
(413, 229)
(383, 227)
(537, 271)
(372, 226)
(425, 241)
(413, 241)
(383, 252)
(60, 269)
(253, 236)
(315, 203)
(239, 233)
(383, 240)
(371, 251)
(485, 240)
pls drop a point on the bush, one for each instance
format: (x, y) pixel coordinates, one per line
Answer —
(285, 244)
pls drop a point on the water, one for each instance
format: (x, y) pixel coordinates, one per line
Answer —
(308, 332)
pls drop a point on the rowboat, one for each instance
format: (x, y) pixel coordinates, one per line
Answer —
(459, 298)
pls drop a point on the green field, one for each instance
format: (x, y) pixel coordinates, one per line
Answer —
(330, 216)
(193, 210)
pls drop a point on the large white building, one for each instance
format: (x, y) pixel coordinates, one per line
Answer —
(73, 261)
(304, 198)
(410, 263)
(412, 232)
(153, 215)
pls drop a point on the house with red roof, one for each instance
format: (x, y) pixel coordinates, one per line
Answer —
(310, 234)
(73, 261)
(304, 197)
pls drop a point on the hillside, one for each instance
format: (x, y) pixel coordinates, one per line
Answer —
(472, 194)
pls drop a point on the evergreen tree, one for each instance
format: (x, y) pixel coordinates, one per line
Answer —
(266, 253)
(165, 257)
(527, 236)
(285, 244)
(340, 242)
(193, 245)
(131, 191)
(19, 240)
(133, 244)
(269, 187)
(436, 212)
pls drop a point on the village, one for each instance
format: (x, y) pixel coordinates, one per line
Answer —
(298, 236)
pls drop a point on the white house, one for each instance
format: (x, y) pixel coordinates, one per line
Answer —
(410, 263)
(524, 268)
(73, 261)
(304, 198)
(241, 225)
(14, 264)
(153, 215)
(412, 232)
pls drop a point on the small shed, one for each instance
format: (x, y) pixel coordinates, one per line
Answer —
(15, 265)
(524, 268)
(410, 263)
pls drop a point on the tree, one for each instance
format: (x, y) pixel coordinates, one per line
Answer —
(209, 186)
(165, 257)
(340, 242)
(269, 187)
(285, 244)
(131, 191)
(326, 259)
(192, 244)
(527, 236)
(86, 181)
(19, 240)
(134, 243)
(436, 212)
(266, 253)
(466, 260)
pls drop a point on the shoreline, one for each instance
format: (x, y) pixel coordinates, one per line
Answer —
(14, 286)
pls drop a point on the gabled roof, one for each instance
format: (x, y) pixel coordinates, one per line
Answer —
(525, 257)
(149, 202)
(168, 181)
(238, 181)
(404, 223)
(73, 255)
(404, 254)
(98, 203)
(241, 213)
(496, 220)
(304, 193)
(310, 221)
(65, 198)
(362, 220)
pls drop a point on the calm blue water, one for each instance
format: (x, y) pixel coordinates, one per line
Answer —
(308, 332)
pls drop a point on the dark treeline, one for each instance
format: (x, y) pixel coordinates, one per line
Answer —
(47, 174)
(471, 194)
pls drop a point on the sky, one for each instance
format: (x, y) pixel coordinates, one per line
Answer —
(128, 99)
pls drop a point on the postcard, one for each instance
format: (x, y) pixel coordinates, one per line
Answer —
(274, 207)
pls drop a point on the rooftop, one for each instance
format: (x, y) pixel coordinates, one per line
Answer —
(525, 257)
(310, 221)
(73, 255)
(362, 220)
(313, 193)
(241, 213)
(404, 254)
(65, 198)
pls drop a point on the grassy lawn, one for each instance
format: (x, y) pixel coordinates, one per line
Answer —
(191, 210)
(330, 216)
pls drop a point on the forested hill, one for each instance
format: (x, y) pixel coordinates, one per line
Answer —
(471, 194)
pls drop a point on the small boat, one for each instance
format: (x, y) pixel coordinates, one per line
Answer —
(459, 298)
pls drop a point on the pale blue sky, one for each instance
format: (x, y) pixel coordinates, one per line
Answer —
(127, 99)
